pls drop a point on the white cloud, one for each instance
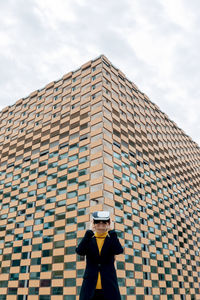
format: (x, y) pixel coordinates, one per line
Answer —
(179, 14)
(155, 43)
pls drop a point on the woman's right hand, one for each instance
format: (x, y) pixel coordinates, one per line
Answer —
(92, 225)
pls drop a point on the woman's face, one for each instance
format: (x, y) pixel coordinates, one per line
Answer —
(101, 227)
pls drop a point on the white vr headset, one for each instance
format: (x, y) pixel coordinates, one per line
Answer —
(101, 215)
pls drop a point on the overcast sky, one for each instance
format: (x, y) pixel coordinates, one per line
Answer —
(156, 43)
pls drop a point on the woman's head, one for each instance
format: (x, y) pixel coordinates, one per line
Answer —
(101, 221)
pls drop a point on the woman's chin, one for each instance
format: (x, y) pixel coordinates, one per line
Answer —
(101, 231)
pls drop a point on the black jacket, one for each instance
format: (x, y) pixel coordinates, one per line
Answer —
(103, 263)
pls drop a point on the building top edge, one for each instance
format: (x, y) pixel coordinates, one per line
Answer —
(89, 62)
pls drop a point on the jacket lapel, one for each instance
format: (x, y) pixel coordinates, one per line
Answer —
(95, 246)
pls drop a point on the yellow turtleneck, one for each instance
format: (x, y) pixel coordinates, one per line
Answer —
(100, 237)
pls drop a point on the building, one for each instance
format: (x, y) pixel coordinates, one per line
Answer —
(90, 141)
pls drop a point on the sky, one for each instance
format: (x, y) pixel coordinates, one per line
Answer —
(156, 44)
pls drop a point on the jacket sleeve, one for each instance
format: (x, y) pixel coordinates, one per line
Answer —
(83, 245)
(117, 247)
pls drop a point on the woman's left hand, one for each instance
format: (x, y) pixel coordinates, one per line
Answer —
(110, 226)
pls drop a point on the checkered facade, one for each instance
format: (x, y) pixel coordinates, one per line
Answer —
(91, 141)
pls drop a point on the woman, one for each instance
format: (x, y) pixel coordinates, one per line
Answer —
(100, 248)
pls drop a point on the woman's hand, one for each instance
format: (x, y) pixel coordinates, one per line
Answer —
(92, 226)
(110, 226)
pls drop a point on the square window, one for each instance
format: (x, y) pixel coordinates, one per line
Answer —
(70, 282)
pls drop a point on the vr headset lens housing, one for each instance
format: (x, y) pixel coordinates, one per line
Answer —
(103, 221)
